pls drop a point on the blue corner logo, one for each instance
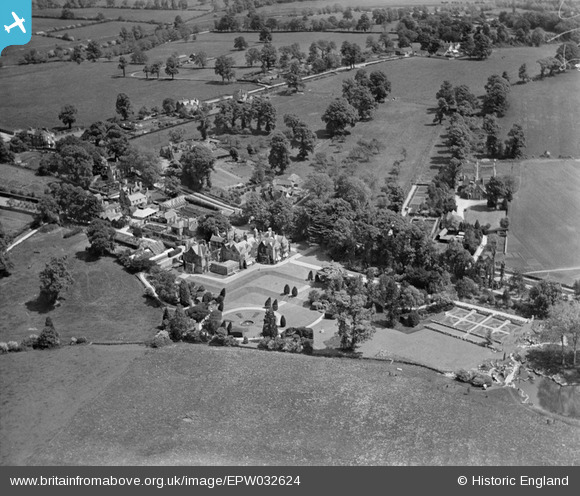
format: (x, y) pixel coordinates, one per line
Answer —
(15, 22)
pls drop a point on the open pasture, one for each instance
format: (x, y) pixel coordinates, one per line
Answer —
(544, 236)
(14, 222)
(92, 88)
(105, 303)
(106, 31)
(48, 23)
(14, 177)
(11, 55)
(56, 384)
(137, 15)
(200, 405)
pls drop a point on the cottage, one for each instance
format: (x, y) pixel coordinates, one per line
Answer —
(132, 198)
(404, 51)
(450, 50)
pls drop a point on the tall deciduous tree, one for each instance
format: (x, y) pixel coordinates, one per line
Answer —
(338, 115)
(171, 67)
(123, 64)
(279, 156)
(198, 164)
(68, 115)
(101, 237)
(123, 106)
(224, 67)
(55, 279)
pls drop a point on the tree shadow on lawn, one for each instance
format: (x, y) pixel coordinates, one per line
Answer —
(86, 256)
(151, 302)
(483, 208)
(549, 361)
(39, 305)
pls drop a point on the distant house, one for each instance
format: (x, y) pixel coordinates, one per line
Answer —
(132, 197)
(450, 50)
(42, 138)
(190, 104)
(404, 52)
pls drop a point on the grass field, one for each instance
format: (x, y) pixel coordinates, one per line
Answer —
(14, 177)
(41, 392)
(197, 405)
(544, 235)
(45, 24)
(92, 88)
(12, 54)
(126, 14)
(14, 222)
(104, 304)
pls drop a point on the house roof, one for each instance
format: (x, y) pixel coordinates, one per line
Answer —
(216, 239)
(137, 197)
(157, 247)
(143, 213)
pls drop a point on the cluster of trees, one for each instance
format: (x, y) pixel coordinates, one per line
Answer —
(235, 116)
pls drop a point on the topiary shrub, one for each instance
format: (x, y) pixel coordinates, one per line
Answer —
(161, 339)
(48, 339)
(413, 319)
(287, 289)
(282, 321)
(13, 346)
(29, 342)
(275, 305)
(294, 292)
(245, 341)
(268, 303)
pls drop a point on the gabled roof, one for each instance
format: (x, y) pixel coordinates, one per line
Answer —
(157, 247)
(216, 239)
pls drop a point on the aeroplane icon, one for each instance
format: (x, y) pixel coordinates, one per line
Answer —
(17, 23)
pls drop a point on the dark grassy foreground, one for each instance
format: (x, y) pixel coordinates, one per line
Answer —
(196, 405)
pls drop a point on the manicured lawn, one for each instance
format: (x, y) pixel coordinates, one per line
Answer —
(104, 304)
(545, 227)
(199, 405)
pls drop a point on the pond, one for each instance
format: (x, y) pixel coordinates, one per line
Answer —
(549, 396)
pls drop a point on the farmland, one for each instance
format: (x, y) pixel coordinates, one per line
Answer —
(104, 304)
(19, 178)
(202, 405)
(545, 231)
(14, 222)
